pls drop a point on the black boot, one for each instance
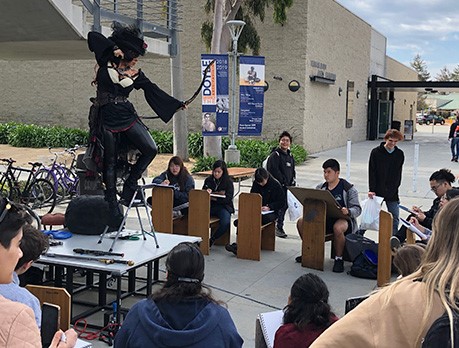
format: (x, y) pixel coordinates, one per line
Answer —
(115, 216)
(129, 188)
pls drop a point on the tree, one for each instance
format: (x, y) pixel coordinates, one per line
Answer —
(444, 75)
(455, 74)
(420, 66)
(218, 40)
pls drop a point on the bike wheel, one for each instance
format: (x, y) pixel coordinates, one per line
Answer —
(40, 197)
(47, 174)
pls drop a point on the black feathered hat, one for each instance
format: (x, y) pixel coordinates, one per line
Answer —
(128, 38)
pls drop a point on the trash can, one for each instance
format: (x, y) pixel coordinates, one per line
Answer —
(396, 125)
(408, 129)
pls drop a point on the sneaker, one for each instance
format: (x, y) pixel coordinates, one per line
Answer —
(338, 267)
(298, 259)
(232, 248)
(394, 243)
(280, 233)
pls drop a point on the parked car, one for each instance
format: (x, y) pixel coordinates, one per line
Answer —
(428, 119)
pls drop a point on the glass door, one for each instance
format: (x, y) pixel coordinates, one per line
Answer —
(384, 117)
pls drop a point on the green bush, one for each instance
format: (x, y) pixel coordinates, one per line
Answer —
(164, 141)
(195, 145)
(203, 164)
(5, 129)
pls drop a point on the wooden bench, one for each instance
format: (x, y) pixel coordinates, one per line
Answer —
(162, 204)
(252, 237)
(200, 221)
(384, 251)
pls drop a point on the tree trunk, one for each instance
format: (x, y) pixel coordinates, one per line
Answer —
(180, 122)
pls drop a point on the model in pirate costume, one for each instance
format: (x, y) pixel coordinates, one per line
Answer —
(116, 77)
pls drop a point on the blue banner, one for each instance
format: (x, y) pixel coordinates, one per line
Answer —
(251, 95)
(215, 98)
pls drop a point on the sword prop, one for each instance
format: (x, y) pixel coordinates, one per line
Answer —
(106, 261)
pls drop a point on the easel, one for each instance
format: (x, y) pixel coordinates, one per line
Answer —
(317, 206)
(136, 203)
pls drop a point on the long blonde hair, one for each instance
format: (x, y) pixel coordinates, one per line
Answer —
(440, 264)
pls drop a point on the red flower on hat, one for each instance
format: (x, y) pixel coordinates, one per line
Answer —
(144, 45)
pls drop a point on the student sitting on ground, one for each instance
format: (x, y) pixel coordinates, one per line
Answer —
(33, 244)
(18, 327)
(177, 176)
(272, 197)
(347, 197)
(306, 315)
(182, 313)
(219, 182)
(408, 258)
(440, 182)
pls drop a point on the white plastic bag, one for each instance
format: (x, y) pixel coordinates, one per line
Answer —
(370, 214)
(295, 208)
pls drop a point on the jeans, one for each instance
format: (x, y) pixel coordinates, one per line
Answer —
(281, 212)
(392, 207)
(455, 147)
(224, 215)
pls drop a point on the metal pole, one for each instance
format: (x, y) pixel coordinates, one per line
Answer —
(233, 97)
(348, 160)
(415, 166)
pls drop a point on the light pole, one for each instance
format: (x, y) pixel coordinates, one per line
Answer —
(232, 154)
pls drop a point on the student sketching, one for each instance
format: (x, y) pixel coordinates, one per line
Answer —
(272, 197)
(400, 314)
(306, 315)
(177, 176)
(33, 244)
(18, 327)
(219, 182)
(182, 313)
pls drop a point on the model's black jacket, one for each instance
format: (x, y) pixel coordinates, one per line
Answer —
(272, 193)
(226, 186)
(281, 165)
(452, 129)
(385, 172)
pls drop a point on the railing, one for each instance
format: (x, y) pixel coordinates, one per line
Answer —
(159, 19)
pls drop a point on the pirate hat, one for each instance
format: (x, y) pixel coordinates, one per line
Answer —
(128, 38)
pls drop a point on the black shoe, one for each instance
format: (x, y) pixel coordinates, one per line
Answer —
(128, 192)
(298, 259)
(280, 233)
(338, 267)
(394, 243)
(231, 248)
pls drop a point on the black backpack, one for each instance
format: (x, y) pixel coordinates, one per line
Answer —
(439, 333)
(365, 266)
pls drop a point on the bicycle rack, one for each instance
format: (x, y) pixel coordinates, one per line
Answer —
(136, 203)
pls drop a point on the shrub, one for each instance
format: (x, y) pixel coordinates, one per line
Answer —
(164, 141)
(195, 145)
(5, 129)
(203, 164)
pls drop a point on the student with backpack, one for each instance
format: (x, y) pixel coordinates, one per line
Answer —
(405, 313)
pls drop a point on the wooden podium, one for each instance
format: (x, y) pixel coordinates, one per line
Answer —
(317, 206)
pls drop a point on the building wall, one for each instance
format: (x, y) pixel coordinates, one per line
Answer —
(405, 102)
(57, 92)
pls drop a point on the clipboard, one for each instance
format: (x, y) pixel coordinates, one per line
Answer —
(333, 207)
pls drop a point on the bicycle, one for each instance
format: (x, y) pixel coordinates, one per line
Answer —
(64, 179)
(36, 193)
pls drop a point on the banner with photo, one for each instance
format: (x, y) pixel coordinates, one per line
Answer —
(251, 95)
(215, 98)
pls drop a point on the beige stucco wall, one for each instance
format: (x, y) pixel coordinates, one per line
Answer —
(405, 102)
(57, 92)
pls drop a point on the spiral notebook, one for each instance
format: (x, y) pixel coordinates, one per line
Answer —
(270, 322)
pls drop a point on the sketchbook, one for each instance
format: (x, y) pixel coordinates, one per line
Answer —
(413, 228)
(270, 322)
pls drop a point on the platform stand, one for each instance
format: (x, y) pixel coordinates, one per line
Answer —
(136, 203)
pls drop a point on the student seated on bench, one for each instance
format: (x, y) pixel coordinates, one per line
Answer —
(177, 176)
(33, 244)
(348, 198)
(272, 196)
(219, 182)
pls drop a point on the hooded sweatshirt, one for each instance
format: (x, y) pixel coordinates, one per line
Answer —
(190, 323)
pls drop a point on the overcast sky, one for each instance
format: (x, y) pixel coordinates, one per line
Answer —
(427, 27)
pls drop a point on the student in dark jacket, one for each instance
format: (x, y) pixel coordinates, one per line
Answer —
(385, 173)
(219, 182)
(272, 197)
(182, 313)
(306, 315)
(177, 176)
(453, 136)
(281, 166)
(440, 182)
